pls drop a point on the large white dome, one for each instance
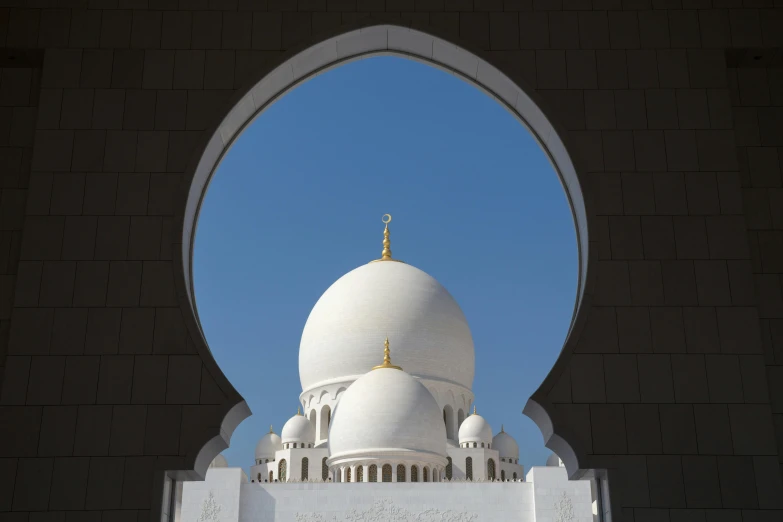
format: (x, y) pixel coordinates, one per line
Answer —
(475, 429)
(268, 445)
(298, 429)
(387, 412)
(393, 299)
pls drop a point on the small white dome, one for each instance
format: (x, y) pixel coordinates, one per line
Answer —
(475, 429)
(505, 445)
(387, 411)
(268, 445)
(218, 462)
(554, 461)
(298, 429)
(351, 318)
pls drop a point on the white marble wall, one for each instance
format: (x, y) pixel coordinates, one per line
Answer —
(547, 496)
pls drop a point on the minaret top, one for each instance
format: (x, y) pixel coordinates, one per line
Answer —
(386, 254)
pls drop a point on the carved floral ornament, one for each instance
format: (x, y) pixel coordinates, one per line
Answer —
(210, 510)
(387, 511)
(564, 508)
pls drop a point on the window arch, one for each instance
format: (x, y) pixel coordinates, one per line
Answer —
(460, 417)
(282, 470)
(386, 471)
(503, 474)
(448, 468)
(469, 468)
(359, 473)
(491, 469)
(348, 474)
(515, 475)
(305, 466)
(271, 475)
(482, 444)
(448, 418)
(326, 417)
(400, 472)
(425, 473)
(324, 470)
(259, 477)
(414, 473)
(373, 473)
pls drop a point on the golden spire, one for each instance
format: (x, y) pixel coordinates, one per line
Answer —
(387, 358)
(474, 409)
(270, 429)
(501, 429)
(386, 254)
(299, 411)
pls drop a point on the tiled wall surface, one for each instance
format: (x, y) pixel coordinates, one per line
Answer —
(673, 384)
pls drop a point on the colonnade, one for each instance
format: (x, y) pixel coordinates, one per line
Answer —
(362, 473)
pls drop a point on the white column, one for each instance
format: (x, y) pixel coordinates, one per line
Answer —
(366, 473)
(407, 473)
(394, 472)
(342, 474)
(353, 473)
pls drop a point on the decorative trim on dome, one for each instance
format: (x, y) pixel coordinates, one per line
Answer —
(386, 254)
(386, 358)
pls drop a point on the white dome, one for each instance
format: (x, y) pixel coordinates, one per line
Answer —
(298, 429)
(505, 444)
(268, 445)
(475, 429)
(554, 460)
(218, 462)
(393, 299)
(387, 411)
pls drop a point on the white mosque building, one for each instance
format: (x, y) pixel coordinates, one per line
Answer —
(388, 428)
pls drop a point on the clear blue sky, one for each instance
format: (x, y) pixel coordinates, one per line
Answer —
(297, 202)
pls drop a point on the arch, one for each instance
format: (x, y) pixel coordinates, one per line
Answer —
(360, 473)
(305, 468)
(326, 419)
(369, 38)
(401, 472)
(321, 397)
(414, 473)
(448, 418)
(324, 469)
(282, 469)
(448, 468)
(503, 475)
(373, 473)
(386, 473)
(271, 475)
(339, 392)
(469, 468)
(313, 419)
(491, 469)
(515, 475)
(460, 418)
(348, 474)
(259, 477)
(425, 474)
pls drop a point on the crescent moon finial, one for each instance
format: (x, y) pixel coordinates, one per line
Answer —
(386, 218)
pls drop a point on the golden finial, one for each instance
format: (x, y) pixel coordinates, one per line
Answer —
(271, 430)
(387, 358)
(386, 254)
(501, 429)
(299, 411)
(474, 409)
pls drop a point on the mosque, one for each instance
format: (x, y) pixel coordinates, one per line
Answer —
(386, 363)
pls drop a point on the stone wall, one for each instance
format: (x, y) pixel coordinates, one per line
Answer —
(670, 378)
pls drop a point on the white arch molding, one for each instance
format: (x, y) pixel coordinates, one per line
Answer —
(390, 39)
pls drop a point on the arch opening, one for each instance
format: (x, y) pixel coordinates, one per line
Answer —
(330, 54)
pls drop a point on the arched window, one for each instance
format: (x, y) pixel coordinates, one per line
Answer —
(373, 473)
(503, 474)
(414, 473)
(448, 468)
(348, 474)
(324, 469)
(281, 470)
(386, 473)
(491, 469)
(474, 444)
(460, 417)
(271, 476)
(425, 473)
(515, 475)
(448, 418)
(326, 416)
(305, 466)
(359, 473)
(482, 444)
(259, 477)
(400, 473)
(469, 468)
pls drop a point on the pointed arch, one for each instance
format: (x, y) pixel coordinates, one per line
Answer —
(359, 473)
(503, 474)
(305, 468)
(386, 471)
(400, 472)
(414, 473)
(373, 473)
(324, 470)
(491, 469)
(282, 470)
(460, 418)
(469, 468)
(271, 476)
(348, 474)
(449, 468)
(326, 419)
(448, 418)
(425, 474)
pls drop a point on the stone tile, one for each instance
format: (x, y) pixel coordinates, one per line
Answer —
(678, 429)
(103, 328)
(584, 384)
(712, 429)
(608, 428)
(31, 491)
(643, 429)
(690, 378)
(69, 483)
(127, 430)
(80, 385)
(103, 492)
(183, 381)
(646, 282)
(92, 431)
(752, 430)
(664, 473)
(612, 70)
(149, 379)
(162, 430)
(737, 482)
(124, 283)
(655, 378)
(700, 477)
(68, 331)
(58, 428)
(633, 330)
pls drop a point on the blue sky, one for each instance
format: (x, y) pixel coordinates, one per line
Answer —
(297, 202)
